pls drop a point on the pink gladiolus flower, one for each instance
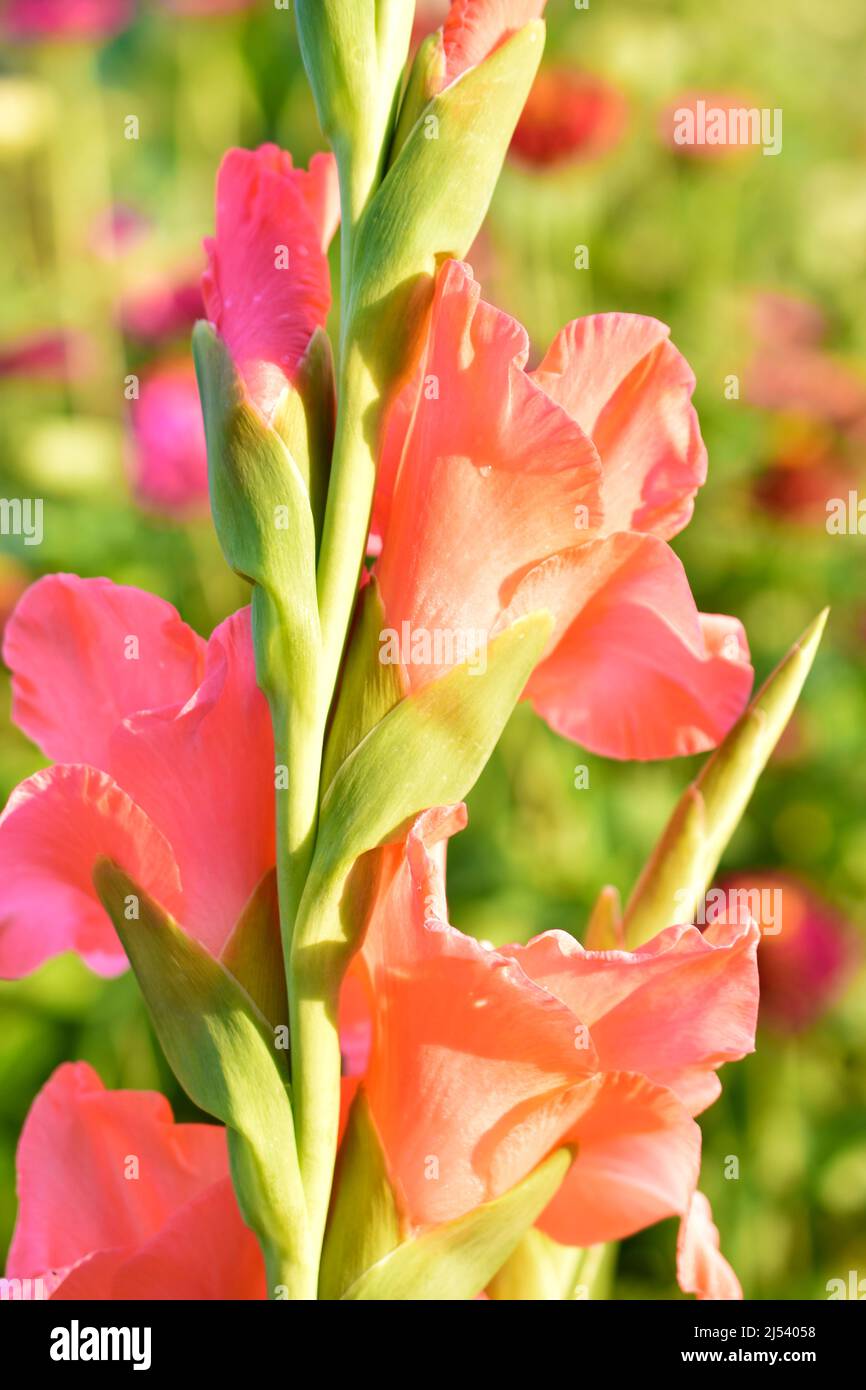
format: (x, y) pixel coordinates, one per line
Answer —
(170, 456)
(701, 1267)
(90, 1227)
(67, 19)
(164, 757)
(503, 491)
(207, 8)
(267, 287)
(569, 116)
(490, 1059)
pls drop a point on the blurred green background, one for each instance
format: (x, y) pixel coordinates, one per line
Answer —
(757, 263)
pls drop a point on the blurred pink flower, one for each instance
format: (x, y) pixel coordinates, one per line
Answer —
(116, 231)
(206, 7)
(170, 458)
(67, 19)
(807, 950)
(806, 381)
(162, 309)
(780, 318)
(52, 355)
(570, 115)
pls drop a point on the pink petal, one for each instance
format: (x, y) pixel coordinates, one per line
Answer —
(204, 773)
(491, 478)
(634, 670)
(701, 1267)
(474, 28)
(704, 987)
(120, 1202)
(630, 389)
(54, 827)
(264, 310)
(638, 1156)
(474, 1071)
(85, 653)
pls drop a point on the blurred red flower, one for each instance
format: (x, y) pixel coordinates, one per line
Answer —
(570, 115)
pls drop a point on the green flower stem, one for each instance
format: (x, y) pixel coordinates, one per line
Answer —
(319, 956)
(347, 514)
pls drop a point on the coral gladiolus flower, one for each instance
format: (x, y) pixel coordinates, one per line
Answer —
(474, 28)
(165, 764)
(267, 287)
(569, 116)
(503, 491)
(489, 1059)
(170, 456)
(67, 19)
(701, 1267)
(91, 1226)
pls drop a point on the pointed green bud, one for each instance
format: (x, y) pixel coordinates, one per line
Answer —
(354, 52)
(686, 858)
(363, 1225)
(604, 928)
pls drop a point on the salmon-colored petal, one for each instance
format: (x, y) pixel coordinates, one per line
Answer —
(704, 987)
(474, 1071)
(638, 1157)
(85, 653)
(474, 28)
(493, 475)
(54, 827)
(101, 1170)
(634, 670)
(630, 389)
(701, 1267)
(204, 1251)
(204, 772)
(267, 286)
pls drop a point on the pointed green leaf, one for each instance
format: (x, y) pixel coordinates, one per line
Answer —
(253, 953)
(684, 861)
(363, 1224)
(429, 750)
(222, 1052)
(457, 1260)
(426, 77)
(540, 1269)
(368, 687)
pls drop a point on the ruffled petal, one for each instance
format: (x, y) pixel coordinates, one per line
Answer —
(267, 286)
(494, 476)
(204, 772)
(54, 827)
(474, 1072)
(85, 653)
(638, 1157)
(630, 389)
(701, 1267)
(704, 986)
(105, 1171)
(634, 671)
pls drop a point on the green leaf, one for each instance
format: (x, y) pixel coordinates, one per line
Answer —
(368, 687)
(426, 77)
(364, 1223)
(540, 1269)
(429, 750)
(457, 1260)
(253, 953)
(683, 864)
(222, 1052)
